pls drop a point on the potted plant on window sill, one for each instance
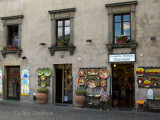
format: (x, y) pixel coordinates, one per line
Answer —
(42, 95)
(11, 47)
(122, 39)
(62, 42)
(80, 97)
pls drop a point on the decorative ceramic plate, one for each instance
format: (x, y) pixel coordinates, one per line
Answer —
(81, 81)
(81, 72)
(91, 84)
(94, 72)
(155, 83)
(47, 72)
(39, 71)
(43, 84)
(85, 76)
(104, 73)
(43, 77)
(103, 82)
(89, 72)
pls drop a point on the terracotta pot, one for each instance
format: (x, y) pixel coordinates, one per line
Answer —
(121, 41)
(80, 101)
(61, 45)
(11, 48)
(41, 98)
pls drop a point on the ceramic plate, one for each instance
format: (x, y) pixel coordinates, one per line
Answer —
(81, 81)
(94, 72)
(81, 72)
(91, 84)
(39, 71)
(104, 73)
(43, 77)
(43, 84)
(103, 83)
(47, 72)
(89, 72)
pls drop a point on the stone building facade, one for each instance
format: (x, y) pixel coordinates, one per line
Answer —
(91, 43)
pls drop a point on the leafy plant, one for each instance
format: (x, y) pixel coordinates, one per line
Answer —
(64, 41)
(42, 90)
(81, 92)
(12, 46)
(122, 37)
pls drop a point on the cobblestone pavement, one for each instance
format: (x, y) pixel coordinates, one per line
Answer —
(34, 111)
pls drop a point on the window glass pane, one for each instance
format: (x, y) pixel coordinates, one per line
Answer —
(60, 33)
(67, 33)
(67, 22)
(117, 29)
(60, 23)
(126, 28)
(117, 18)
(126, 17)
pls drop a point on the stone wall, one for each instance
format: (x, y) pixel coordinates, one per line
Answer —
(90, 22)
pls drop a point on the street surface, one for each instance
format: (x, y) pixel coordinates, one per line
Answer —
(10, 110)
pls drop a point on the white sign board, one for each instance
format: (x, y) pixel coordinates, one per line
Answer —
(122, 58)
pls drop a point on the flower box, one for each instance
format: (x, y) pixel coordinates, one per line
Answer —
(122, 39)
(11, 48)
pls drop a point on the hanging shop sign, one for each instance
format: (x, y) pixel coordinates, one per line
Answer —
(1, 82)
(122, 58)
(25, 90)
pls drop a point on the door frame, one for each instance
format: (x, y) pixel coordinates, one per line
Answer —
(6, 83)
(54, 83)
(111, 85)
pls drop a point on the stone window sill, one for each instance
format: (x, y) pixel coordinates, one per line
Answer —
(131, 45)
(17, 51)
(66, 48)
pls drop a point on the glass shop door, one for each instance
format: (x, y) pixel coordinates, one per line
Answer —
(13, 83)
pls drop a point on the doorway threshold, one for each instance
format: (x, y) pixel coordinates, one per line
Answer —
(62, 104)
(123, 109)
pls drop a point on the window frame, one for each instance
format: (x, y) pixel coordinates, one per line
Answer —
(7, 21)
(59, 15)
(122, 27)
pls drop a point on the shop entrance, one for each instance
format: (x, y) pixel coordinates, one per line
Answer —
(63, 83)
(123, 85)
(13, 83)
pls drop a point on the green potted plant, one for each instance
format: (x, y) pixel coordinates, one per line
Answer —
(61, 42)
(122, 39)
(80, 97)
(42, 95)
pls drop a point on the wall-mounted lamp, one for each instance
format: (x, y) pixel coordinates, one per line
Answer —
(88, 40)
(24, 57)
(153, 38)
(42, 43)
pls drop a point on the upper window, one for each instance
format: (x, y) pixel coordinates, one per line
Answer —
(12, 30)
(62, 22)
(13, 38)
(122, 26)
(63, 32)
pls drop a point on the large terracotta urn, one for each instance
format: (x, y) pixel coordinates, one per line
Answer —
(41, 98)
(79, 100)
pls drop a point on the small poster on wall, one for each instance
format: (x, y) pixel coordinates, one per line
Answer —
(25, 82)
(1, 82)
